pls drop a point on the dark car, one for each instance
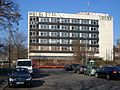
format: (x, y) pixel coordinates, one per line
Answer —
(79, 69)
(20, 76)
(70, 67)
(108, 72)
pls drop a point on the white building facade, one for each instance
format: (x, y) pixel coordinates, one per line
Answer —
(51, 35)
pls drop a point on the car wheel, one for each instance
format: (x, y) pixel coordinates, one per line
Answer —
(32, 75)
(89, 74)
(84, 73)
(10, 86)
(108, 77)
(29, 84)
(74, 71)
(96, 75)
(78, 72)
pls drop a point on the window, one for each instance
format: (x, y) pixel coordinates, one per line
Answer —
(33, 33)
(54, 27)
(75, 28)
(85, 28)
(43, 26)
(84, 35)
(55, 48)
(94, 42)
(94, 22)
(37, 19)
(65, 27)
(65, 20)
(34, 47)
(44, 41)
(83, 21)
(58, 26)
(44, 19)
(65, 34)
(65, 48)
(34, 19)
(93, 35)
(94, 29)
(30, 18)
(55, 20)
(43, 33)
(65, 41)
(55, 34)
(44, 48)
(34, 26)
(33, 40)
(55, 41)
(75, 34)
(75, 20)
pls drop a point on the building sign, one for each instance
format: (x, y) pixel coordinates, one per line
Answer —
(106, 18)
(46, 14)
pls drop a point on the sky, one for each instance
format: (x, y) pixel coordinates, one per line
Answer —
(111, 7)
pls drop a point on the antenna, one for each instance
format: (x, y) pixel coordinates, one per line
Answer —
(88, 4)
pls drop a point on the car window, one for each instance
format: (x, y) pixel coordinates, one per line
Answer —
(24, 63)
(78, 66)
(116, 68)
(20, 71)
(94, 67)
(101, 69)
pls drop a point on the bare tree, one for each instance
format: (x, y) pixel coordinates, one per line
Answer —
(9, 17)
(79, 51)
(20, 49)
(117, 51)
(9, 14)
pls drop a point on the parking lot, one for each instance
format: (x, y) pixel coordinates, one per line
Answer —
(57, 79)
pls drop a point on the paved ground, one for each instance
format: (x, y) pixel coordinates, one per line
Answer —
(57, 79)
(2, 78)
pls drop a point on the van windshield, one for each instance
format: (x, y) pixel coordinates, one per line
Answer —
(24, 63)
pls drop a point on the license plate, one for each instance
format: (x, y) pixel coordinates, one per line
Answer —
(19, 82)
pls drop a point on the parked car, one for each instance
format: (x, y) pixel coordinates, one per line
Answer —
(20, 76)
(90, 70)
(79, 69)
(108, 72)
(70, 67)
(25, 63)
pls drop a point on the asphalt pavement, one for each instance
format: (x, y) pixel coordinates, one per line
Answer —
(57, 79)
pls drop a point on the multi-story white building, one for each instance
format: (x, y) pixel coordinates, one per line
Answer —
(51, 34)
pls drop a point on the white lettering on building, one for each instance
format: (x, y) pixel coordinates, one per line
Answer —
(46, 14)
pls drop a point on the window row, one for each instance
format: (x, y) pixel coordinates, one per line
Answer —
(60, 48)
(62, 41)
(63, 27)
(63, 34)
(50, 48)
(63, 20)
